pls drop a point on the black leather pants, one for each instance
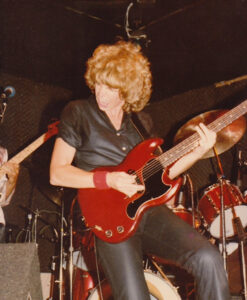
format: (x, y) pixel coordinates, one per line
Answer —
(163, 234)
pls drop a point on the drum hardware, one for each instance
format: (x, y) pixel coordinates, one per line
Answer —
(240, 165)
(61, 253)
(159, 270)
(241, 168)
(27, 230)
(195, 222)
(236, 221)
(189, 215)
(31, 229)
(181, 194)
(221, 180)
(71, 250)
(62, 257)
(179, 278)
(52, 280)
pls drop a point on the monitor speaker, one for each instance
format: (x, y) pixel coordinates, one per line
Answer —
(19, 272)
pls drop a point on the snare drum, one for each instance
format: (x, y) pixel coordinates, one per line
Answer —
(209, 206)
(159, 289)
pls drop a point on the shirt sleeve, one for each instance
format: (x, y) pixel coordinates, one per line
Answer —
(69, 126)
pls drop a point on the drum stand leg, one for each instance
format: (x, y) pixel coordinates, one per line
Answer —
(71, 249)
(223, 225)
(160, 270)
(52, 280)
(61, 280)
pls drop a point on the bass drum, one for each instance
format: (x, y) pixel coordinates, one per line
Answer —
(159, 289)
(209, 206)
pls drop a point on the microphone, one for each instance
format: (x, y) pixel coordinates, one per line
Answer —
(7, 92)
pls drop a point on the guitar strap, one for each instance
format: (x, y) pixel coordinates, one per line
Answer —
(144, 125)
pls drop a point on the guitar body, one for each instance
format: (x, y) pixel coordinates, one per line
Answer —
(113, 216)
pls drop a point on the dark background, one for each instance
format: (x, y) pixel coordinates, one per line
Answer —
(192, 46)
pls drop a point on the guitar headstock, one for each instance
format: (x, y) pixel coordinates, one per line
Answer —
(52, 130)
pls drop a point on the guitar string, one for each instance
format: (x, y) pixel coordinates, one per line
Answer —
(188, 144)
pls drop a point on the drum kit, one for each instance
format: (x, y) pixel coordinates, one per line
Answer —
(220, 214)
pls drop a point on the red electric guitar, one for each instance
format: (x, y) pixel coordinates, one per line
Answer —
(113, 216)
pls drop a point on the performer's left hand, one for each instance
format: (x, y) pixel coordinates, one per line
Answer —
(207, 139)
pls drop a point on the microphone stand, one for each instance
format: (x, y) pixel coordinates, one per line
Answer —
(3, 109)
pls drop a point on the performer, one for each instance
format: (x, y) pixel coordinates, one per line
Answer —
(99, 131)
(7, 186)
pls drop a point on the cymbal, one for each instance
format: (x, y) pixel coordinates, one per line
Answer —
(226, 138)
(53, 193)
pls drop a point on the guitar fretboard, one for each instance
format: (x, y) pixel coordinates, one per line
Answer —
(190, 143)
(18, 158)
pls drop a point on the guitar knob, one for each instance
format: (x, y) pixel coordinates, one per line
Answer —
(108, 233)
(120, 229)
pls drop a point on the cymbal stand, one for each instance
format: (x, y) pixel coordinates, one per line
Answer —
(61, 277)
(52, 281)
(221, 179)
(71, 250)
(191, 190)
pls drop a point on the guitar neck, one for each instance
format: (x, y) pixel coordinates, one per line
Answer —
(187, 145)
(18, 158)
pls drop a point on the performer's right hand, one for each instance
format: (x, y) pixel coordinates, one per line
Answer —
(12, 170)
(124, 183)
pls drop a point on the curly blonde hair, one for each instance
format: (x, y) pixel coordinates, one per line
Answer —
(121, 66)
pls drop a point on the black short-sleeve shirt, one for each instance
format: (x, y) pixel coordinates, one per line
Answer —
(88, 129)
